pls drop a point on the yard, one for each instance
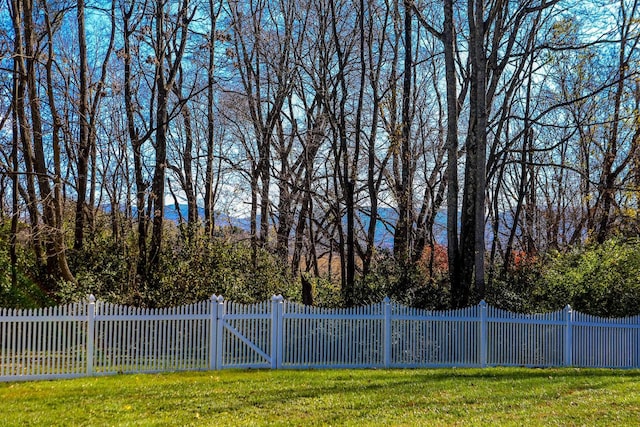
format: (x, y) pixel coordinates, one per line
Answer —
(506, 396)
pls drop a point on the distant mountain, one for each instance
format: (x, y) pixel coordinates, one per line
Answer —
(387, 219)
(385, 223)
(171, 213)
(221, 219)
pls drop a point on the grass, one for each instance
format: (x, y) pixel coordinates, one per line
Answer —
(505, 396)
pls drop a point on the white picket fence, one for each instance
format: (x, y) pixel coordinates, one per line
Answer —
(97, 338)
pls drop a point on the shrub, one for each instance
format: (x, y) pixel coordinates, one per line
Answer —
(26, 293)
(189, 271)
(205, 267)
(515, 289)
(409, 285)
(597, 279)
(103, 268)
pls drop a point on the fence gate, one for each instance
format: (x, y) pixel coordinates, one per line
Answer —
(247, 335)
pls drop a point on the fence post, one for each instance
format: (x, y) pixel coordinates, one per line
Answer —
(276, 331)
(568, 336)
(213, 330)
(387, 332)
(90, 333)
(220, 312)
(484, 335)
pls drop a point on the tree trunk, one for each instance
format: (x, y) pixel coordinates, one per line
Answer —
(167, 67)
(453, 252)
(609, 174)
(158, 183)
(83, 117)
(25, 134)
(473, 203)
(15, 134)
(210, 192)
(57, 266)
(136, 145)
(402, 244)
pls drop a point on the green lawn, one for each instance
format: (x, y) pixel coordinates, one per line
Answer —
(492, 396)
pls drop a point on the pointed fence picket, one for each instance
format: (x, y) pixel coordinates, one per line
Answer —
(43, 343)
(423, 338)
(333, 338)
(526, 339)
(130, 339)
(98, 338)
(606, 342)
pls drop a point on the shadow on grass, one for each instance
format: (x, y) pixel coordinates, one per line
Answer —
(389, 386)
(446, 374)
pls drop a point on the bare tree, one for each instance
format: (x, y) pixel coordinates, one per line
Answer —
(83, 113)
(169, 47)
(33, 143)
(211, 180)
(265, 71)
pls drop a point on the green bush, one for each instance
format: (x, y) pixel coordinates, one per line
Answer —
(514, 291)
(205, 267)
(408, 285)
(602, 280)
(26, 293)
(102, 268)
(189, 271)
